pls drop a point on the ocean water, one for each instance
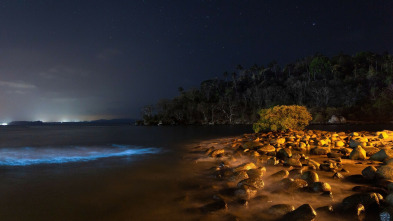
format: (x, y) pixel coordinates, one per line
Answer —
(97, 172)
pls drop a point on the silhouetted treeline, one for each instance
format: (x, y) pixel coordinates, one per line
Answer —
(358, 87)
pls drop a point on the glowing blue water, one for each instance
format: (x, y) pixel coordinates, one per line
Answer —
(24, 156)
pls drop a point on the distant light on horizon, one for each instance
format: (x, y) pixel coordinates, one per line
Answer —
(4, 124)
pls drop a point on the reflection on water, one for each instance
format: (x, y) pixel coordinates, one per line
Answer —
(24, 156)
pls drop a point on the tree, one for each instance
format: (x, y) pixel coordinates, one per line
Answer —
(320, 66)
(283, 118)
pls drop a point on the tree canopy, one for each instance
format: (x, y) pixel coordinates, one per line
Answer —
(358, 87)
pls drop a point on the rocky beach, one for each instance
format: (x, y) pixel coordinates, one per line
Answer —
(293, 175)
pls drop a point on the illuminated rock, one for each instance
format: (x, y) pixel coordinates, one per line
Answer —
(257, 183)
(237, 176)
(280, 174)
(310, 177)
(256, 173)
(217, 153)
(267, 149)
(304, 212)
(358, 154)
(293, 162)
(320, 150)
(339, 143)
(245, 166)
(320, 187)
(246, 192)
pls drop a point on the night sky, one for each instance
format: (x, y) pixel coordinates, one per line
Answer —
(82, 60)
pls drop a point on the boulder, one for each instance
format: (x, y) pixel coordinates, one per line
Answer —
(320, 150)
(257, 183)
(284, 153)
(338, 175)
(310, 177)
(272, 161)
(256, 173)
(293, 162)
(267, 149)
(217, 153)
(295, 184)
(369, 172)
(358, 154)
(385, 172)
(280, 209)
(371, 150)
(382, 155)
(343, 120)
(339, 143)
(365, 199)
(320, 187)
(245, 166)
(215, 206)
(246, 192)
(237, 176)
(313, 163)
(295, 173)
(280, 174)
(280, 141)
(304, 212)
(356, 141)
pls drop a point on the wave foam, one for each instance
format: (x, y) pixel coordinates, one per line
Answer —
(24, 156)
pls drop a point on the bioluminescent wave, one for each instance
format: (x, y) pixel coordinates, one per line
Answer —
(24, 156)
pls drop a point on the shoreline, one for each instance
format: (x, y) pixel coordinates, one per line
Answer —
(243, 181)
